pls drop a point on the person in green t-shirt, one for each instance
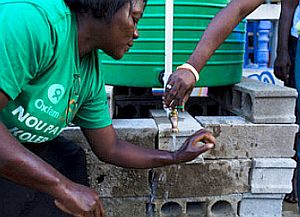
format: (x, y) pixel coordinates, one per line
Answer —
(50, 78)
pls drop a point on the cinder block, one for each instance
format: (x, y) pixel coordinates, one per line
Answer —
(137, 131)
(257, 101)
(238, 138)
(272, 175)
(125, 207)
(141, 132)
(210, 178)
(168, 140)
(261, 205)
(110, 98)
(215, 206)
(112, 181)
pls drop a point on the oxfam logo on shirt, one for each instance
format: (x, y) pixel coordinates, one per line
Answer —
(55, 93)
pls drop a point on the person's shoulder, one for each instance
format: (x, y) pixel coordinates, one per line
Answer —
(53, 9)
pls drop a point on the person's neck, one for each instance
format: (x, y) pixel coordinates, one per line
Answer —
(85, 42)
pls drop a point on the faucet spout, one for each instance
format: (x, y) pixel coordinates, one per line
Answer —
(173, 117)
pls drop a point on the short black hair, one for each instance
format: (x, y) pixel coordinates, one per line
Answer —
(102, 9)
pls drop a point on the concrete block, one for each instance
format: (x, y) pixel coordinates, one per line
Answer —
(210, 178)
(110, 98)
(273, 175)
(257, 101)
(112, 181)
(216, 206)
(125, 207)
(238, 138)
(168, 140)
(261, 205)
(137, 131)
(141, 132)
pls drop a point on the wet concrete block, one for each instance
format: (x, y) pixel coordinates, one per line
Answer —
(209, 178)
(186, 123)
(125, 207)
(261, 205)
(216, 206)
(272, 175)
(113, 181)
(257, 101)
(238, 138)
(166, 139)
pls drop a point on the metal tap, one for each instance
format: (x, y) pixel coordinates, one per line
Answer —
(173, 117)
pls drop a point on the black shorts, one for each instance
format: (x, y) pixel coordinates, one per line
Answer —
(19, 201)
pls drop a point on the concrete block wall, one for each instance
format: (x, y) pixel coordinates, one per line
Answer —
(246, 174)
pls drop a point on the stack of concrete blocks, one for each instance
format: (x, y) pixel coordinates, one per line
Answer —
(264, 132)
(205, 187)
(123, 192)
(246, 174)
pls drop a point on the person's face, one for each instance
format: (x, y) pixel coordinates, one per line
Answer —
(123, 29)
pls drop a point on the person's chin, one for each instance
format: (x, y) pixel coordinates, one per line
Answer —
(118, 56)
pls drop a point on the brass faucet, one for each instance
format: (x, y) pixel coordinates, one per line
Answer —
(173, 117)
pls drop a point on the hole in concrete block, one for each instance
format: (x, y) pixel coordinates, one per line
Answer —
(126, 111)
(171, 209)
(228, 98)
(238, 208)
(100, 179)
(196, 209)
(237, 100)
(222, 209)
(247, 105)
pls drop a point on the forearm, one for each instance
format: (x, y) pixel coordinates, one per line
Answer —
(23, 167)
(219, 29)
(286, 17)
(131, 156)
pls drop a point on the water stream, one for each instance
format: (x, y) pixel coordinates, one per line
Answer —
(150, 209)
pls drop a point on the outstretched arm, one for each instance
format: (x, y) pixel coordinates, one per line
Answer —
(108, 148)
(182, 80)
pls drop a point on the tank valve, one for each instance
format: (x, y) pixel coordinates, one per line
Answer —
(173, 117)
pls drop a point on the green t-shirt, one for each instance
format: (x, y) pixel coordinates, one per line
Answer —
(40, 70)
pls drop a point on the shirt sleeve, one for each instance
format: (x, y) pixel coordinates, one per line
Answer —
(25, 45)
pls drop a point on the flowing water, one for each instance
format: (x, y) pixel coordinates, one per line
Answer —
(174, 141)
(150, 209)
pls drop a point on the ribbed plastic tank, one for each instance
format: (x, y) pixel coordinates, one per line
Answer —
(142, 65)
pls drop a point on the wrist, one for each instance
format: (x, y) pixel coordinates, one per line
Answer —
(190, 68)
(59, 189)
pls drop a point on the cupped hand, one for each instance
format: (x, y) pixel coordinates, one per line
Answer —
(282, 65)
(80, 201)
(179, 88)
(196, 144)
